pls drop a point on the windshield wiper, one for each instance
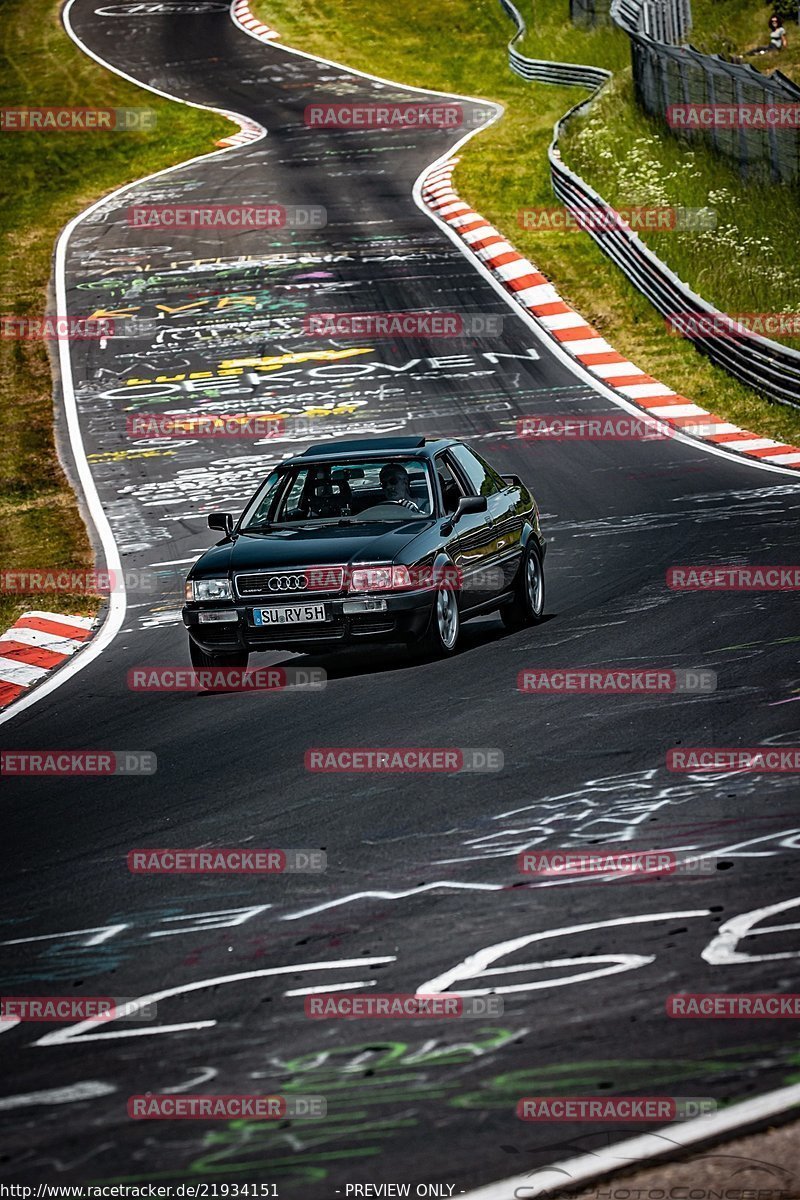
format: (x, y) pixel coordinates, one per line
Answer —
(308, 523)
(262, 525)
(319, 523)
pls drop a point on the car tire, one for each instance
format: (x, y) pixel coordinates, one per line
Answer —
(441, 636)
(230, 658)
(527, 607)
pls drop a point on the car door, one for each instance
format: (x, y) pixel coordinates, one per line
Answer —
(505, 552)
(472, 541)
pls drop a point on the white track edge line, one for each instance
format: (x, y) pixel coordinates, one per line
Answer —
(117, 602)
(637, 1152)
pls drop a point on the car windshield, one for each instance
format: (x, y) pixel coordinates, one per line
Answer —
(333, 491)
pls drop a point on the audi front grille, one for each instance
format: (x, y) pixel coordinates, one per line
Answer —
(296, 581)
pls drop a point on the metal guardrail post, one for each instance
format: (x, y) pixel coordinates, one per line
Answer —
(664, 61)
(744, 148)
(775, 154)
(711, 92)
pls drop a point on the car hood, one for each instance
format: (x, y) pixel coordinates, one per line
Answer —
(309, 547)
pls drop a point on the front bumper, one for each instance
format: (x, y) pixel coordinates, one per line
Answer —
(406, 616)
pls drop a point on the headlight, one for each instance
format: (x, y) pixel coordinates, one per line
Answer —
(208, 589)
(379, 579)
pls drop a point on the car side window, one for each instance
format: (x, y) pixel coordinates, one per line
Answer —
(483, 480)
(452, 490)
(500, 484)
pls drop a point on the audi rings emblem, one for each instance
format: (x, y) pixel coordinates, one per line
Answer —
(288, 583)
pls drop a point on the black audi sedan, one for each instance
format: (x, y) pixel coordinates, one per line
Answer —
(381, 539)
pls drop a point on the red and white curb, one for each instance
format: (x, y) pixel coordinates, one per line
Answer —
(577, 337)
(249, 131)
(36, 644)
(241, 11)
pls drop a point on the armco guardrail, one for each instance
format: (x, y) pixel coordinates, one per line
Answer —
(766, 366)
(542, 71)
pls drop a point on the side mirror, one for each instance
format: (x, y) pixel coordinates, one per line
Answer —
(222, 521)
(469, 504)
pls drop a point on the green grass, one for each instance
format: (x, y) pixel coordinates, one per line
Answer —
(551, 35)
(741, 266)
(460, 46)
(730, 27)
(46, 179)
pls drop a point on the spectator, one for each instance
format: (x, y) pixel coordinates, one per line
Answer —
(777, 38)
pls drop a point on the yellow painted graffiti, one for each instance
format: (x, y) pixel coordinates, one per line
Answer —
(235, 366)
(118, 455)
(223, 302)
(276, 361)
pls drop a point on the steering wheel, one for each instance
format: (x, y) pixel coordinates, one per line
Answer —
(377, 509)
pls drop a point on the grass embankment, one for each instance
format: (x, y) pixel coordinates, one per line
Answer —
(48, 177)
(730, 27)
(459, 45)
(741, 265)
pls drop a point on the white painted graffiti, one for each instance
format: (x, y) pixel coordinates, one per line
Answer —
(160, 9)
(611, 808)
(478, 966)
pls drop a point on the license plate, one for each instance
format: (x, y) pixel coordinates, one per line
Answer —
(290, 614)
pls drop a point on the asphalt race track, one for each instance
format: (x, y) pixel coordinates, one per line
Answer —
(422, 869)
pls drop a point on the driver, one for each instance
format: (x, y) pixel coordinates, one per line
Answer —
(394, 482)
